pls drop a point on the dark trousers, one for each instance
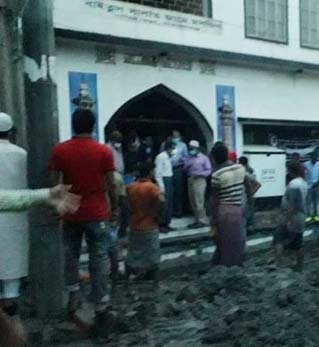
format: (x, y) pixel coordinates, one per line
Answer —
(168, 210)
(312, 201)
(123, 219)
(97, 236)
(179, 183)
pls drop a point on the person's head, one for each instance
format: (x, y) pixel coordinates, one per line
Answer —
(148, 141)
(296, 169)
(169, 147)
(243, 161)
(295, 156)
(194, 147)
(314, 157)
(145, 170)
(232, 157)
(177, 137)
(116, 139)
(6, 125)
(83, 121)
(176, 134)
(219, 153)
(132, 136)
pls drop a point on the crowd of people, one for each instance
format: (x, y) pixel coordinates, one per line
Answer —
(106, 191)
(180, 170)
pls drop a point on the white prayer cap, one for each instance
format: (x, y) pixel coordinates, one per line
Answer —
(194, 144)
(6, 122)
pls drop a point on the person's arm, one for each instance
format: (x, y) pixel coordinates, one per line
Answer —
(215, 185)
(292, 198)
(307, 173)
(251, 187)
(121, 196)
(108, 167)
(185, 153)
(158, 174)
(187, 164)
(111, 190)
(293, 201)
(207, 167)
(19, 200)
(58, 197)
(158, 202)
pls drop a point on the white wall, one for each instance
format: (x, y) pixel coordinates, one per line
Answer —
(267, 94)
(119, 83)
(75, 15)
(259, 94)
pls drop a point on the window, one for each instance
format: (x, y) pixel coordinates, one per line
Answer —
(309, 23)
(267, 20)
(207, 8)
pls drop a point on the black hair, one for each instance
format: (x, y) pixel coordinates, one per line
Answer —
(116, 136)
(83, 121)
(243, 161)
(296, 168)
(295, 155)
(169, 145)
(219, 153)
(144, 169)
(4, 134)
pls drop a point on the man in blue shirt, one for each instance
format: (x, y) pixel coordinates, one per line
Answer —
(179, 177)
(312, 178)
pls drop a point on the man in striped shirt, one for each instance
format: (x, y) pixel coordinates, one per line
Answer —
(228, 184)
(229, 180)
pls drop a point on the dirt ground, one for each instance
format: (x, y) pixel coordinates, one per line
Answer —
(253, 306)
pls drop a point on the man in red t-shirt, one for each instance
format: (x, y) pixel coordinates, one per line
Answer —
(88, 166)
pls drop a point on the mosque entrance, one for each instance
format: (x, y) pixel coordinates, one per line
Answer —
(156, 113)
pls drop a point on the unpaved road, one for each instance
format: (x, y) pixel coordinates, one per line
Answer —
(240, 307)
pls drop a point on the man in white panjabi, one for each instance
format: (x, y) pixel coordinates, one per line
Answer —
(12, 332)
(14, 235)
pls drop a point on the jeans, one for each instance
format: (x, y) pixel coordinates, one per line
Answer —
(312, 202)
(97, 236)
(179, 184)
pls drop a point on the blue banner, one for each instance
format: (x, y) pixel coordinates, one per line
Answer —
(229, 93)
(83, 93)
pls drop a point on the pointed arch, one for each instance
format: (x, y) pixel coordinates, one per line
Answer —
(173, 100)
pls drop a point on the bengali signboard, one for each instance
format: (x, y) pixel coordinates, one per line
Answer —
(149, 15)
(270, 170)
(268, 175)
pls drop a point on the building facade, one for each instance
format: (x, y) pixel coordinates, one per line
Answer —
(158, 65)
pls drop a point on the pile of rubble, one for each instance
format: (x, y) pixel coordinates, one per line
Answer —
(240, 307)
(228, 307)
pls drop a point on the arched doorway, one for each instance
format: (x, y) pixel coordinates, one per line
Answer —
(157, 112)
